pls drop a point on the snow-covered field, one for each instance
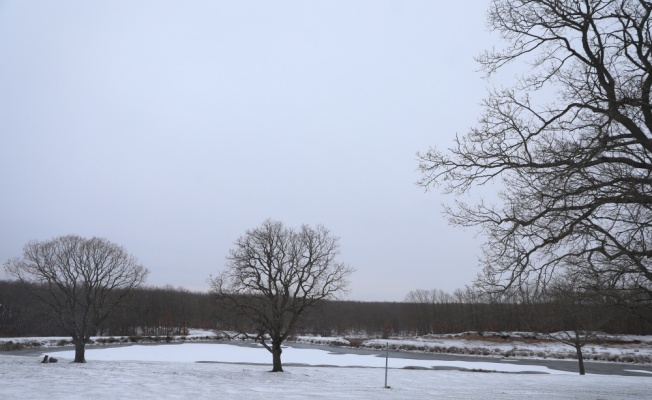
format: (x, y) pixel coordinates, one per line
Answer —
(225, 370)
(24, 378)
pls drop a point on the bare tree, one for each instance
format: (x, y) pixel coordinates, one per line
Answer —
(272, 276)
(83, 281)
(568, 311)
(574, 172)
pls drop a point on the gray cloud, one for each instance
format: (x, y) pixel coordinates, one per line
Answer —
(172, 127)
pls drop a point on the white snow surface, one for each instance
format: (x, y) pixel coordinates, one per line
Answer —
(172, 371)
(196, 370)
(25, 378)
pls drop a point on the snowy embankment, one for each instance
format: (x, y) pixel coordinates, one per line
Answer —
(618, 348)
(24, 343)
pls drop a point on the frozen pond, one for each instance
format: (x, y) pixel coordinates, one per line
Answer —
(232, 353)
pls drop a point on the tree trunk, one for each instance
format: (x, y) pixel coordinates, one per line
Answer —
(80, 350)
(580, 358)
(276, 357)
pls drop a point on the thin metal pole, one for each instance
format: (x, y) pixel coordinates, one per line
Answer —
(386, 363)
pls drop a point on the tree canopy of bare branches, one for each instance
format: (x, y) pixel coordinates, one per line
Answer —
(273, 274)
(573, 171)
(84, 280)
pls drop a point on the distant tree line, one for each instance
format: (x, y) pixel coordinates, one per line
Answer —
(164, 311)
(385, 319)
(151, 311)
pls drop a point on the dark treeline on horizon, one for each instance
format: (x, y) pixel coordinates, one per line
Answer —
(156, 311)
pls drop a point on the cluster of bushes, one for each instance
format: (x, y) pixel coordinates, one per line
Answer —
(11, 346)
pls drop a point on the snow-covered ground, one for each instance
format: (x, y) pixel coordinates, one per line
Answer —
(231, 370)
(107, 376)
(235, 371)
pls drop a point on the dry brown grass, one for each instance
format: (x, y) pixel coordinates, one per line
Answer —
(497, 338)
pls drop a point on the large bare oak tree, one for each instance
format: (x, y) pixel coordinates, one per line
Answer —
(273, 275)
(569, 146)
(83, 281)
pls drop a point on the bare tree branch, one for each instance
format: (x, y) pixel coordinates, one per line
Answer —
(575, 175)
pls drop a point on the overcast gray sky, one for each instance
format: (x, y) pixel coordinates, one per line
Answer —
(172, 127)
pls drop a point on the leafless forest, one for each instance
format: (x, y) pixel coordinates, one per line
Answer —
(169, 311)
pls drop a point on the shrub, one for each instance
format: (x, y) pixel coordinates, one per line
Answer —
(356, 342)
(11, 346)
